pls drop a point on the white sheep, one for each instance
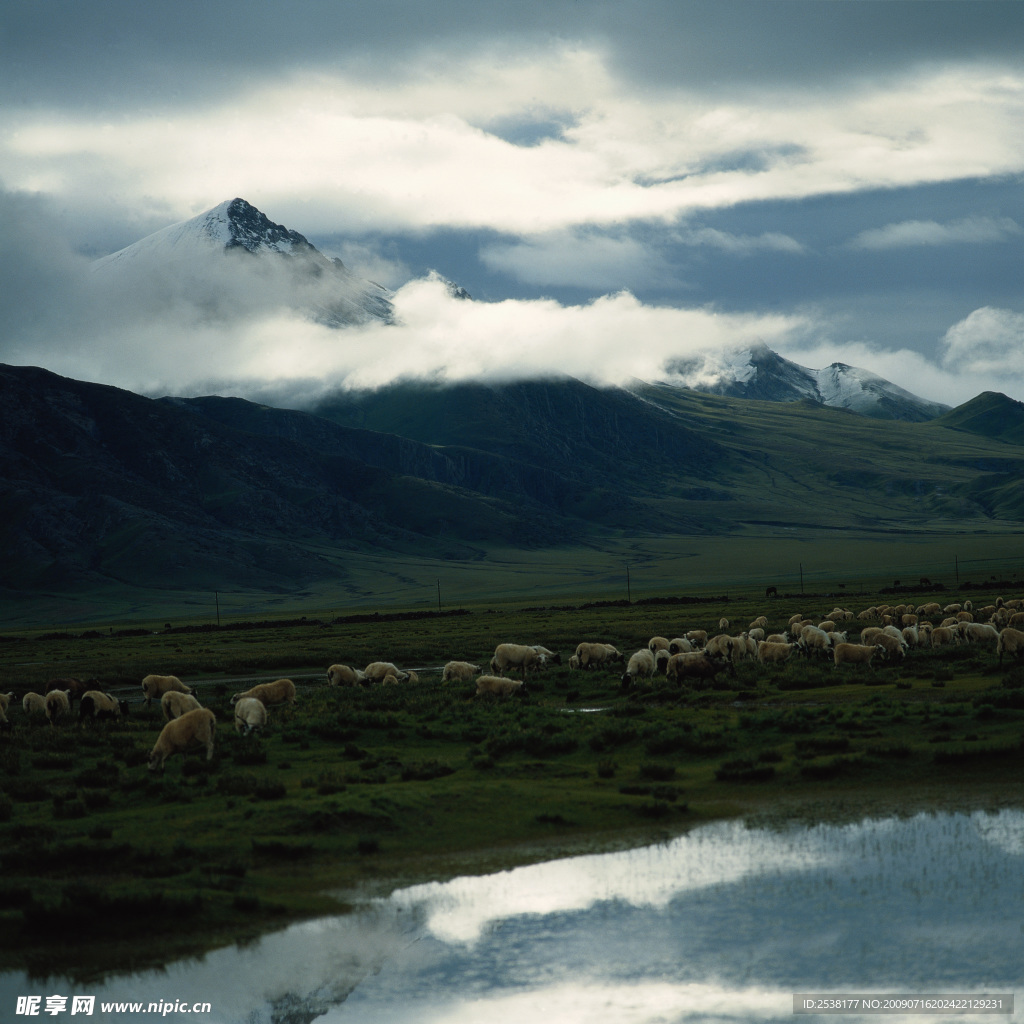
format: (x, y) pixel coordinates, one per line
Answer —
(1011, 641)
(657, 643)
(34, 704)
(680, 645)
(459, 672)
(280, 691)
(499, 686)
(640, 666)
(695, 665)
(194, 729)
(696, 636)
(250, 716)
(377, 670)
(595, 655)
(98, 705)
(774, 653)
(978, 632)
(510, 656)
(156, 686)
(175, 704)
(343, 675)
(58, 705)
(856, 654)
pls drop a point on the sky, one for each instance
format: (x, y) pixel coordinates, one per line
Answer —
(617, 185)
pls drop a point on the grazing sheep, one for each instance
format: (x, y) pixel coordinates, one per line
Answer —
(911, 636)
(389, 680)
(1016, 620)
(743, 648)
(280, 691)
(342, 675)
(761, 622)
(641, 665)
(777, 638)
(756, 634)
(856, 654)
(696, 636)
(552, 657)
(95, 704)
(931, 608)
(175, 704)
(459, 672)
(814, 641)
(695, 665)
(794, 619)
(194, 729)
(680, 645)
(952, 609)
(509, 656)
(377, 670)
(1011, 641)
(944, 636)
(156, 686)
(978, 632)
(661, 661)
(499, 686)
(826, 625)
(774, 653)
(58, 704)
(34, 704)
(723, 625)
(657, 643)
(895, 647)
(250, 716)
(720, 644)
(869, 635)
(574, 662)
(597, 655)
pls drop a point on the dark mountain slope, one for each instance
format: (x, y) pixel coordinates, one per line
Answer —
(991, 415)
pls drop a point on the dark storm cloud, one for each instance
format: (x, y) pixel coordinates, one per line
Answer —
(115, 53)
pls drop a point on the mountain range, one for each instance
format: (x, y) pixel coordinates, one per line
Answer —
(104, 490)
(103, 487)
(339, 298)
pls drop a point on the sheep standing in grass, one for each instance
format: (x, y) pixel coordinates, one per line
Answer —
(550, 657)
(774, 653)
(459, 672)
(499, 686)
(640, 666)
(280, 691)
(194, 729)
(58, 704)
(154, 686)
(856, 654)
(34, 704)
(944, 636)
(250, 716)
(597, 655)
(980, 632)
(680, 645)
(695, 667)
(342, 675)
(377, 670)
(516, 656)
(101, 706)
(175, 704)
(1011, 641)
(696, 636)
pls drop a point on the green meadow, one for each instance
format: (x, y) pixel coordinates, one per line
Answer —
(354, 790)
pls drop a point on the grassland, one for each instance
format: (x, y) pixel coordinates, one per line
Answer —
(354, 790)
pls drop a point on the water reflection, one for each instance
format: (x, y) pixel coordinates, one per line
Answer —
(722, 924)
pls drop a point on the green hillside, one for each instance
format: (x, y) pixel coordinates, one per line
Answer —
(991, 415)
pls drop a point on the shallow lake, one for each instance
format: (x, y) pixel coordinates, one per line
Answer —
(725, 923)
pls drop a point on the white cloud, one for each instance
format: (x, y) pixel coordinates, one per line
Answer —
(969, 230)
(336, 154)
(989, 342)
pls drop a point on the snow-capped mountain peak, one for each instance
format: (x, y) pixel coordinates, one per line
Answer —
(324, 287)
(760, 373)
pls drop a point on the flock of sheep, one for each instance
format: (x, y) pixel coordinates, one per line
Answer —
(883, 633)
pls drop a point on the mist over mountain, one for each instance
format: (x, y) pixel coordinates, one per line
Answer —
(765, 375)
(236, 239)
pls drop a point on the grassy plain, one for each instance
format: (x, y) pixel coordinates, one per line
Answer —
(356, 790)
